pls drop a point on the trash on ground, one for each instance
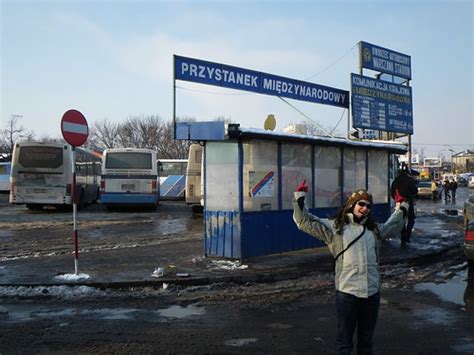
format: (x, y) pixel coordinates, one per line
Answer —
(229, 265)
(158, 272)
(165, 286)
(182, 274)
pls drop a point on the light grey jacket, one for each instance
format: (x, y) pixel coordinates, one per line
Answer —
(357, 270)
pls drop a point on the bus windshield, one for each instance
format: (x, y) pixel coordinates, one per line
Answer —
(41, 157)
(128, 160)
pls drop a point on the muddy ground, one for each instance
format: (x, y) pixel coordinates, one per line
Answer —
(288, 316)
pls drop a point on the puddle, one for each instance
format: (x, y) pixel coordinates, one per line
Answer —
(465, 348)
(113, 313)
(22, 313)
(171, 226)
(458, 289)
(240, 342)
(95, 233)
(436, 316)
(6, 233)
(15, 313)
(181, 312)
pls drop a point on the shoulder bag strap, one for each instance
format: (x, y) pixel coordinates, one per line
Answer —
(350, 244)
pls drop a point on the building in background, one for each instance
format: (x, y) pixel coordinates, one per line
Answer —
(463, 162)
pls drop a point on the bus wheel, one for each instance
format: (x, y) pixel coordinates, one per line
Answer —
(34, 207)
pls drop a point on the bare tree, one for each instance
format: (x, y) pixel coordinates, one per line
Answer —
(170, 148)
(48, 139)
(14, 132)
(103, 134)
(320, 130)
(140, 132)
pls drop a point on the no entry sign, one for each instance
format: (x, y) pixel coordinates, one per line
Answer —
(74, 128)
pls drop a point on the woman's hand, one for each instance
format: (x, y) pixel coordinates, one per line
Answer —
(302, 186)
(398, 198)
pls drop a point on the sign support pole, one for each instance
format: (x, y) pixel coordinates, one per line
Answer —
(75, 131)
(174, 96)
(74, 212)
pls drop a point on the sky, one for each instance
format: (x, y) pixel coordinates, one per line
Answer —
(114, 60)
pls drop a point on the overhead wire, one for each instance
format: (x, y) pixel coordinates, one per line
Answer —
(333, 63)
(306, 116)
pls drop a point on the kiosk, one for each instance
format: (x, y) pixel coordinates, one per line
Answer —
(250, 174)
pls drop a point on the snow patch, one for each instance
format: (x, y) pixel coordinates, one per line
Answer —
(72, 277)
(228, 265)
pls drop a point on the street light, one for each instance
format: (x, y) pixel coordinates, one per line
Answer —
(451, 150)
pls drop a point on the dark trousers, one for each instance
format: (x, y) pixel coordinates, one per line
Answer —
(355, 312)
(406, 231)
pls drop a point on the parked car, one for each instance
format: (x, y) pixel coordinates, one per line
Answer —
(468, 210)
(424, 190)
(461, 181)
(469, 242)
(470, 183)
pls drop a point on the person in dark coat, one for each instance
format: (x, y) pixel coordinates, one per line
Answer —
(406, 185)
(453, 186)
(446, 190)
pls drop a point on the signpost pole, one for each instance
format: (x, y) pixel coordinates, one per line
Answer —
(174, 96)
(75, 131)
(74, 212)
(409, 151)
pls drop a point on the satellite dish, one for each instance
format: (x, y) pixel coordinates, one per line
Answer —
(270, 123)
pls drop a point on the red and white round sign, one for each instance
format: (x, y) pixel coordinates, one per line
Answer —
(74, 128)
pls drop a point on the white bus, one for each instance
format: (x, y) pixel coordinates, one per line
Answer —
(5, 176)
(172, 178)
(194, 188)
(41, 175)
(129, 178)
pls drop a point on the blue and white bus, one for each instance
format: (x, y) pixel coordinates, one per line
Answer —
(129, 178)
(5, 168)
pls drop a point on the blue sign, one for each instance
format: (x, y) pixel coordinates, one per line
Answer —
(384, 60)
(210, 73)
(381, 105)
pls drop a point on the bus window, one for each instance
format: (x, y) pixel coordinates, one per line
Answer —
(5, 176)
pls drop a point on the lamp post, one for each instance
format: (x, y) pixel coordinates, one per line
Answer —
(451, 152)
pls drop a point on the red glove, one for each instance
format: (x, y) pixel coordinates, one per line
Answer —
(397, 197)
(302, 186)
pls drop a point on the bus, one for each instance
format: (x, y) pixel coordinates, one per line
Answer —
(194, 188)
(5, 168)
(41, 175)
(129, 178)
(172, 178)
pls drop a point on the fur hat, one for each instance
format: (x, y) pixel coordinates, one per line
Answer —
(358, 196)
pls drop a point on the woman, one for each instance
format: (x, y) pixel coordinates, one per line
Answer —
(352, 239)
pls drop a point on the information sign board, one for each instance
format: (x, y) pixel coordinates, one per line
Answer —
(204, 72)
(381, 105)
(384, 60)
